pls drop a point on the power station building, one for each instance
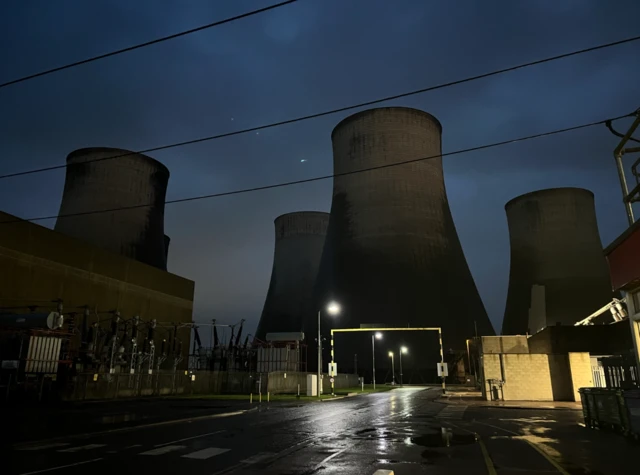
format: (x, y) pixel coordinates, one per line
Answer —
(558, 272)
(298, 247)
(392, 254)
(106, 179)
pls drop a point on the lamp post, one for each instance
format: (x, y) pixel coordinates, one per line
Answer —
(403, 349)
(375, 336)
(332, 309)
(393, 369)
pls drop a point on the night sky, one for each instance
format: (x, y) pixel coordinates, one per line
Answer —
(303, 58)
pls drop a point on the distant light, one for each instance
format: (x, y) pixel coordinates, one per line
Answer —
(257, 133)
(302, 160)
(231, 118)
(391, 354)
(378, 336)
(404, 349)
(333, 308)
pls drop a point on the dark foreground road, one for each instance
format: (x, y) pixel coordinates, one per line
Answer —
(404, 430)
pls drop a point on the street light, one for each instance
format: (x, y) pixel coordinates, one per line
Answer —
(332, 309)
(375, 336)
(405, 350)
(393, 369)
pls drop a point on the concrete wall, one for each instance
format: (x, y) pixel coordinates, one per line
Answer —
(40, 266)
(504, 344)
(538, 377)
(581, 374)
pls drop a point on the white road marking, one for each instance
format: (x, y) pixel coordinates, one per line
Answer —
(205, 453)
(259, 457)
(331, 456)
(134, 445)
(190, 438)
(62, 466)
(83, 447)
(452, 412)
(44, 446)
(383, 472)
(163, 450)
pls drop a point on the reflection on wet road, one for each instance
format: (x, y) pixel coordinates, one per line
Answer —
(406, 431)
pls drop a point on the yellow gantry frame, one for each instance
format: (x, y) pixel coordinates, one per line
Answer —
(404, 329)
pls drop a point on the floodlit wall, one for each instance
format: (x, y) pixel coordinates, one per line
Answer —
(537, 377)
(504, 344)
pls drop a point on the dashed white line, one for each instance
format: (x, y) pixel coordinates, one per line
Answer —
(205, 453)
(163, 450)
(259, 457)
(61, 466)
(83, 447)
(44, 446)
(190, 438)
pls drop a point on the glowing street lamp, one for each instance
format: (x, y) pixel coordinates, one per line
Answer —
(393, 369)
(405, 350)
(374, 336)
(333, 308)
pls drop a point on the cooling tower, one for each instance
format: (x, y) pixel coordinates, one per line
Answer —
(558, 270)
(299, 241)
(392, 254)
(167, 241)
(130, 180)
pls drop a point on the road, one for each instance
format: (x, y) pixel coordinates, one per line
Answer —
(405, 430)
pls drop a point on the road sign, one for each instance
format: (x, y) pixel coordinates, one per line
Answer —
(332, 380)
(333, 369)
(443, 369)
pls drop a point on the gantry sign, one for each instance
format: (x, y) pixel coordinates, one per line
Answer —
(383, 329)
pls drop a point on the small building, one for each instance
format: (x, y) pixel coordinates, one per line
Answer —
(623, 256)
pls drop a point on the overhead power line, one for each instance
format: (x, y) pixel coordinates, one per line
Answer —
(332, 111)
(335, 175)
(147, 43)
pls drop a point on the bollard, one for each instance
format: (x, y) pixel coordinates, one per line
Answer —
(268, 394)
(260, 398)
(251, 398)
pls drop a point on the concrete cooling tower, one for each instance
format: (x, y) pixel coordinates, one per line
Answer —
(392, 254)
(129, 180)
(558, 269)
(299, 241)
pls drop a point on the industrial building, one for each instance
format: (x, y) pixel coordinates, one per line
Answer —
(120, 315)
(392, 254)
(107, 179)
(558, 273)
(298, 247)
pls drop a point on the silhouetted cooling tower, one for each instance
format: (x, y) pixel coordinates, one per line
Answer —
(299, 241)
(558, 270)
(167, 241)
(392, 254)
(129, 180)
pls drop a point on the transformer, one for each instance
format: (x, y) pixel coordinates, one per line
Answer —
(392, 254)
(95, 182)
(299, 242)
(558, 272)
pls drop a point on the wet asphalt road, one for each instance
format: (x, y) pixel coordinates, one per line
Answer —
(403, 430)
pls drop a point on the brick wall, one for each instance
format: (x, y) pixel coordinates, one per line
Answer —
(504, 344)
(581, 375)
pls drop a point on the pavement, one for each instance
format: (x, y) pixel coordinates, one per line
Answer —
(471, 397)
(404, 431)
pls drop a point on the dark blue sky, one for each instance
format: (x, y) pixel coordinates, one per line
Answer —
(311, 56)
